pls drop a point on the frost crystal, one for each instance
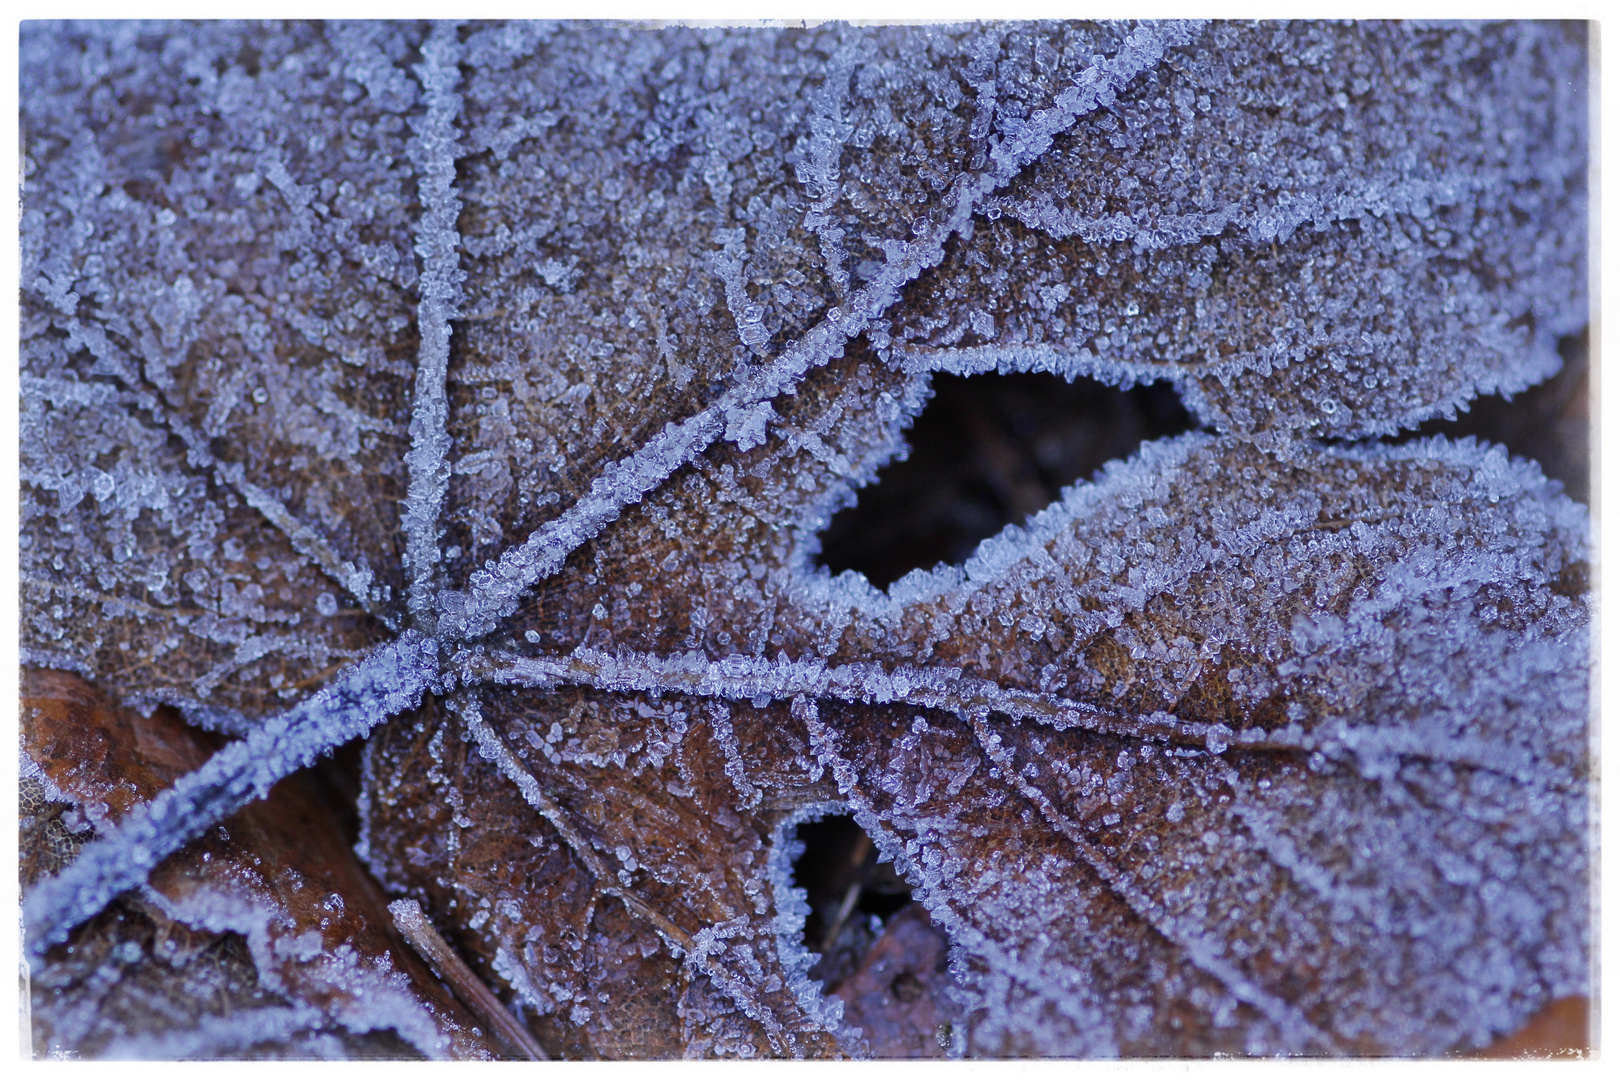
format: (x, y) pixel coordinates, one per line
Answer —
(482, 389)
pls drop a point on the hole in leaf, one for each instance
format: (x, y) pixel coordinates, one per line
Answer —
(1548, 423)
(338, 775)
(989, 451)
(851, 894)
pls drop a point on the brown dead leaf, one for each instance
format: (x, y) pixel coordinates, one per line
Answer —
(275, 887)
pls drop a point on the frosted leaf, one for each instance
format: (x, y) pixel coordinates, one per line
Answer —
(592, 811)
(1329, 247)
(559, 385)
(1384, 769)
(135, 567)
(278, 322)
(1393, 563)
(254, 921)
(486, 388)
(392, 679)
(1295, 911)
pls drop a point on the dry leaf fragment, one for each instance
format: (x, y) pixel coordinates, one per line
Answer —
(273, 898)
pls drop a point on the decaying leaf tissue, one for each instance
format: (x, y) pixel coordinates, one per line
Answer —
(430, 433)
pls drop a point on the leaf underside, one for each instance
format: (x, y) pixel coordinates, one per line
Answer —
(486, 388)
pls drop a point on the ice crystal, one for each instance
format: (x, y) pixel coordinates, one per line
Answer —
(486, 388)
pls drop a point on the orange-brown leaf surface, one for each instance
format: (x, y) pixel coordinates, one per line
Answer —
(273, 896)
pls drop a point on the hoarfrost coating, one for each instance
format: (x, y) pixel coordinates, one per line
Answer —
(484, 388)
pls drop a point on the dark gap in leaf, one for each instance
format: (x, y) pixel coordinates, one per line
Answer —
(851, 894)
(338, 776)
(1547, 423)
(989, 451)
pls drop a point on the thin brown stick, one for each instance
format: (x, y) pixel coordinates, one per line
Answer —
(419, 932)
(851, 894)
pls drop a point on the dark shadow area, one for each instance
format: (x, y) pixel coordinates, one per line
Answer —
(1548, 423)
(850, 893)
(989, 451)
(338, 776)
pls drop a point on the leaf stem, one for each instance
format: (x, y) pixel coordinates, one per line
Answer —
(388, 681)
(433, 151)
(749, 678)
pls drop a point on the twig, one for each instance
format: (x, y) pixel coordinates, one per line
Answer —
(413, 924)
(851, 894)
